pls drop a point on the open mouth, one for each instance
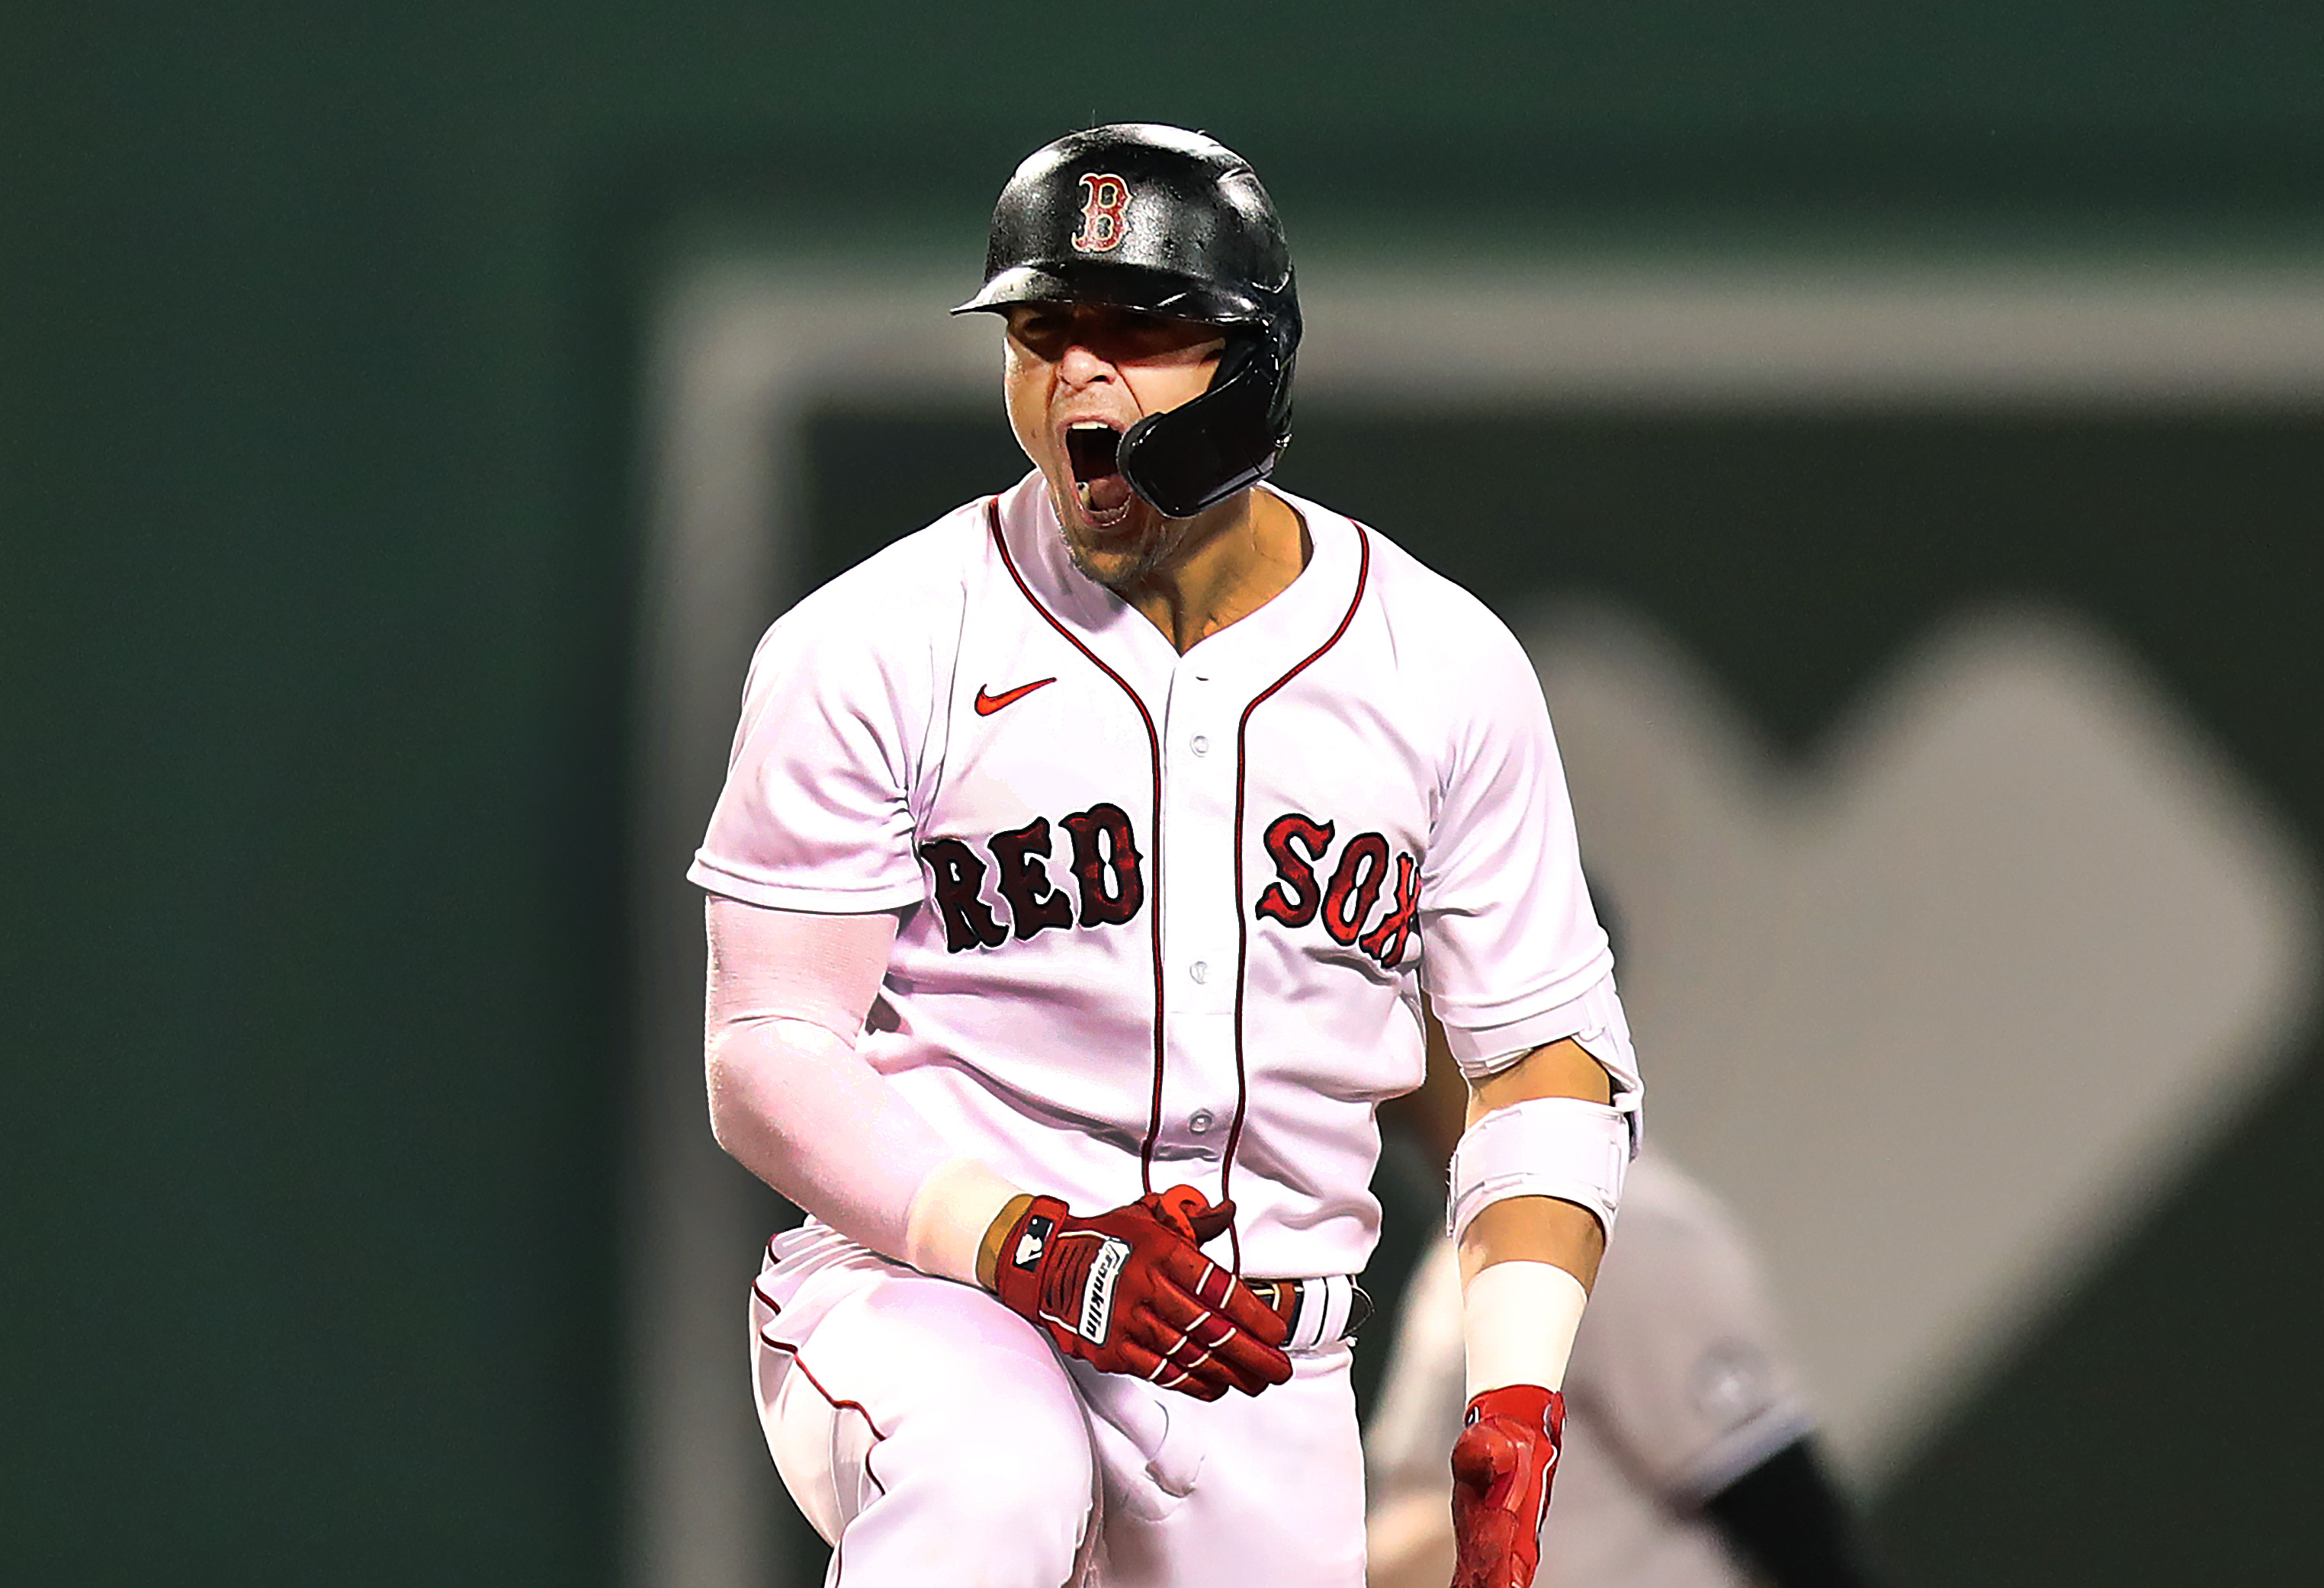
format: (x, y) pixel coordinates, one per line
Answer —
(1094, 448)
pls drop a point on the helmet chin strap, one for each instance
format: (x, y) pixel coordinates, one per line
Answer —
(1194, 456)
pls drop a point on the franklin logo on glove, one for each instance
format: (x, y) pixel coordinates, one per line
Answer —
(1097, 1294)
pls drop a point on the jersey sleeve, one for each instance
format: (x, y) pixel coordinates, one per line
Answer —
(816, 810)
(1512, 950)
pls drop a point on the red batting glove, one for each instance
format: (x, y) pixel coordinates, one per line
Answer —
(1502, 1466)
(1130, 1291)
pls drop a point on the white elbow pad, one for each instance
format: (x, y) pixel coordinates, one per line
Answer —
(1567, 1147)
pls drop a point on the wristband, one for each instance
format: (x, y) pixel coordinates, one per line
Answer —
(951, 1215)
(1518, 1319)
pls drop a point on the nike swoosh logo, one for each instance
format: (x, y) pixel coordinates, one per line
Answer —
(986, 705)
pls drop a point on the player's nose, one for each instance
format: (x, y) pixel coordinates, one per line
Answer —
(1081, 365)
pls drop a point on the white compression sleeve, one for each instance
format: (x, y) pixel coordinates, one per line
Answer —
(1518, 1321)
(795, 1104)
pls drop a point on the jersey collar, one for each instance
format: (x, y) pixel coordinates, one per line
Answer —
(1298, 619)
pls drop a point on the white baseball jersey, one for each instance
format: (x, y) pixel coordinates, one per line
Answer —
(1679, 1385)
(1169, 915)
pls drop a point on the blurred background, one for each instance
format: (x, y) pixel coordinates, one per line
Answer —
(1896, 435)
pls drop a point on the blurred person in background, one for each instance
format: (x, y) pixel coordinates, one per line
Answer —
(1690, 1457)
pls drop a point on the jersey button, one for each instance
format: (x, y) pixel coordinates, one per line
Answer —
(1199, 1122)
(1200, 744)
(1200, 970)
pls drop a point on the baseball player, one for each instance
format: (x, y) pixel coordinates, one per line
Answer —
(1080, 865)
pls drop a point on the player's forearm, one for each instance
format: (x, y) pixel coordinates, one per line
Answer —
(1527, 1266)
(795, 1106)
(1535, 1228)
(792, 1101)
(1528, 1260)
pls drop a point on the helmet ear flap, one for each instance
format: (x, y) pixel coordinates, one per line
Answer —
(1195, 456)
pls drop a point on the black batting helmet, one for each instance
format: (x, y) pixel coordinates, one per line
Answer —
(1168, 222)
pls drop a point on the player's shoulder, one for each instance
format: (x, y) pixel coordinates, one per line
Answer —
(1433, 625)
(901, 591)
(1405, 591)
(1429, 597)
(884, 628)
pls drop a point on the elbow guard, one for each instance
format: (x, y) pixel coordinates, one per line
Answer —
(1567, 1147)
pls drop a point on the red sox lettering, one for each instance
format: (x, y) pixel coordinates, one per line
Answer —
(1298, 845)
(1109, 884)
(1106, 867)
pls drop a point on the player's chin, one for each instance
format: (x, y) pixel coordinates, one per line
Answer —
(1114, 548)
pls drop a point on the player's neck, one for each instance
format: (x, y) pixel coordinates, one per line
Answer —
(1240, 556)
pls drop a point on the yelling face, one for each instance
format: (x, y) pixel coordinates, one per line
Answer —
(1077, 376)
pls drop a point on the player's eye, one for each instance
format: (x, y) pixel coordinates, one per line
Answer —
(1044, 331)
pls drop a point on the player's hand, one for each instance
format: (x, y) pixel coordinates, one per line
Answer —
(1502, 1464)
(1130, 1291)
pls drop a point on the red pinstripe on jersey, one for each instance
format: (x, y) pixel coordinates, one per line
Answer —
(1242, 927)
(1154, 750)
(1242, 916)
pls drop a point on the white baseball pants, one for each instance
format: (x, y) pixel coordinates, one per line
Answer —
(935, 1437)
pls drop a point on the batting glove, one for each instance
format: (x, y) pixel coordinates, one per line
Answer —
(1502, 1464)
(1130, 1291)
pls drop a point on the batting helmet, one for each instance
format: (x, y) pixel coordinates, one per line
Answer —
(1167, 222)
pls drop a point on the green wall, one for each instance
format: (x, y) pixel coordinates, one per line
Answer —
(317, 530)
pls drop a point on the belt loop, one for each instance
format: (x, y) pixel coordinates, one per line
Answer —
(1319, 1311)
(1335, 1293)
(1306, 1316)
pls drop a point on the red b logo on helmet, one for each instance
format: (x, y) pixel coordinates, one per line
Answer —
(1103, 225)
